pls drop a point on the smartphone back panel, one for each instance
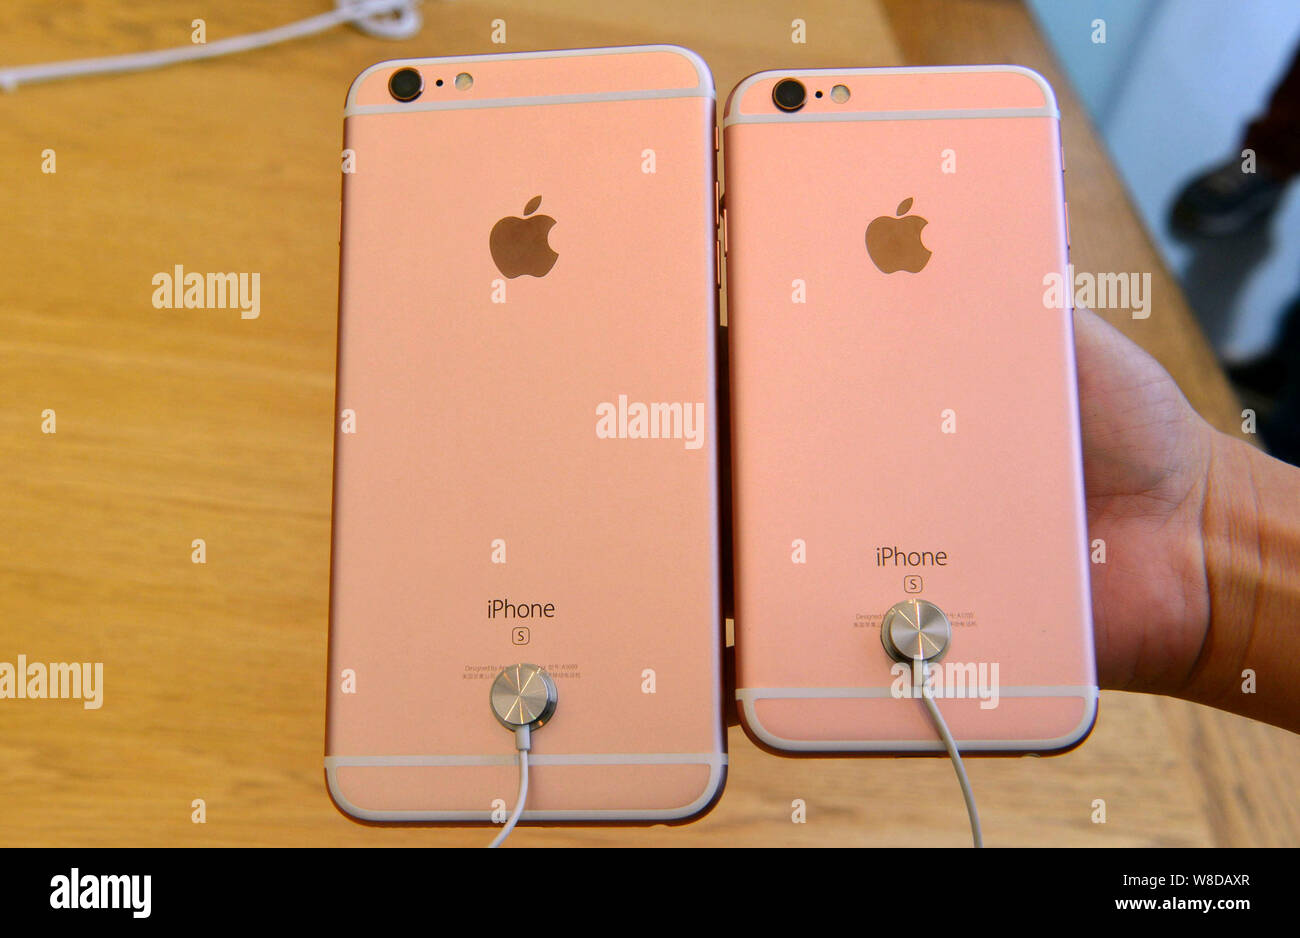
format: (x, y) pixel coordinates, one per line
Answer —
(904, 410)
(526, 462)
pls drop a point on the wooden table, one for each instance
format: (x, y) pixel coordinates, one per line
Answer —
(181, 424)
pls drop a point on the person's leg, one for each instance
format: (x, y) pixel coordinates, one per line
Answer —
(1275, 134)
(1225, 200)
(1281, 431)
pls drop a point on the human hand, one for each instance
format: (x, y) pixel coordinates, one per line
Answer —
(1146, 462)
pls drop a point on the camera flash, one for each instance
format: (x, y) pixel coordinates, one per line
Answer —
(464, 81)
(840, 94)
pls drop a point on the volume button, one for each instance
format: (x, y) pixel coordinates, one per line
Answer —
(717, 202)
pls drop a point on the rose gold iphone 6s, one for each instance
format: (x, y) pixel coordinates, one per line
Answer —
(908, 492)
(526, 476)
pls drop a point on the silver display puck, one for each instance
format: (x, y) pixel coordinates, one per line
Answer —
(915, 630)
(523, 695)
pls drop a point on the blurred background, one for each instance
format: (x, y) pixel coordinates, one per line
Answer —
(1177, 90)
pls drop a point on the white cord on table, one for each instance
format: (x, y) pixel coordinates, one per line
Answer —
(373, 17)
(957, 765)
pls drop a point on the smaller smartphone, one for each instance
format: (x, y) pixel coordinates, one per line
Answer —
(904, 413)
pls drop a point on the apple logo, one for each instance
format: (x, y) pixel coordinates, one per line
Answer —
(519, 245)
(895, 243)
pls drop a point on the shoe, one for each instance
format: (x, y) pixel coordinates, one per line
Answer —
(1265, 376)
(1269, 374)
(1225, 201)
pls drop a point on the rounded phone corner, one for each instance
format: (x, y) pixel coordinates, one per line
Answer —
(708, 799)
(1049, 95)
(701, 67)
(345, 805)
(764, 738)
(738, 90)
(351, 97)
(1060, 745)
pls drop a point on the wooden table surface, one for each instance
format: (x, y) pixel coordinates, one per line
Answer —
(181, 424)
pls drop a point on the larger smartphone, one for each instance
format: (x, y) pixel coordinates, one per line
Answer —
(526, 457)
(904, 410)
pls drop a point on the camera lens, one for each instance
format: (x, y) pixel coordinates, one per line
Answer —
(405, 84)
(789, 94)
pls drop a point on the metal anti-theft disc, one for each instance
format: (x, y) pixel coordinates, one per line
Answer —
(523, 695)
(915, 630)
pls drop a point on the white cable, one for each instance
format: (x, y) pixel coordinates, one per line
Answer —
(373, 17)
(519, 804)
(951, 745)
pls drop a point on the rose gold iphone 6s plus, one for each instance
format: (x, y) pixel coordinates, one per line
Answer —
(908, 492)
(525, 540)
